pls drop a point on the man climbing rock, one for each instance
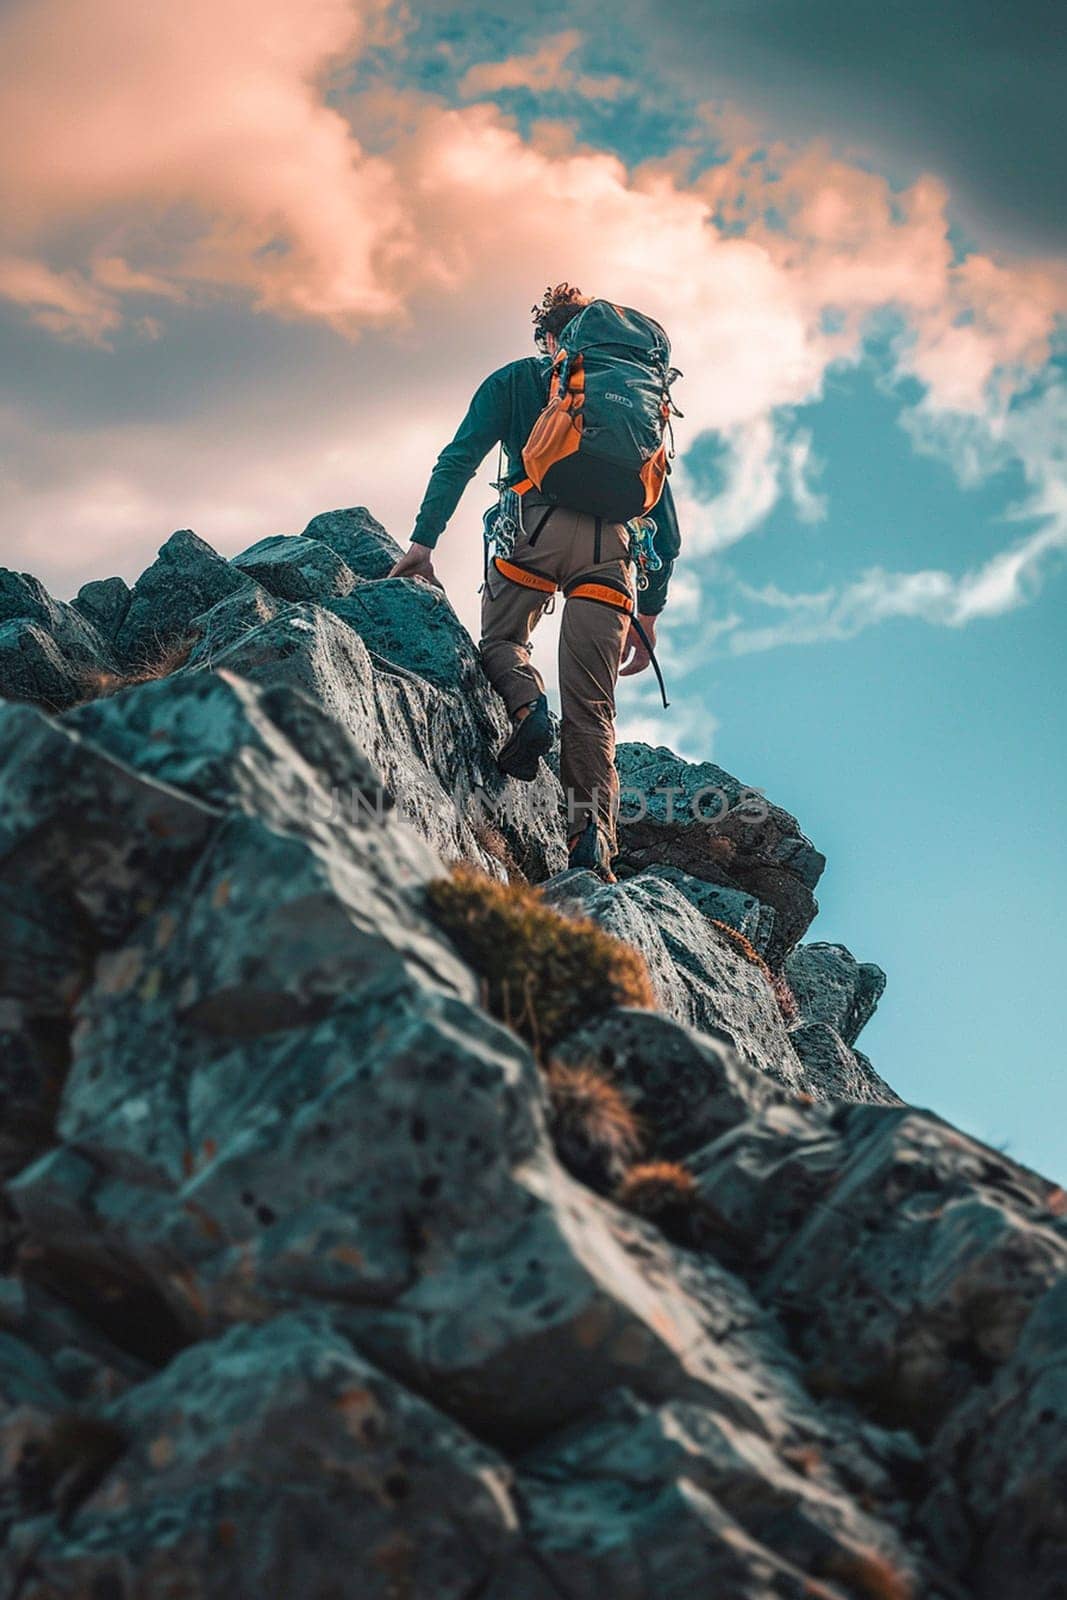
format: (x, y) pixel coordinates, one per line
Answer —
(584, 428)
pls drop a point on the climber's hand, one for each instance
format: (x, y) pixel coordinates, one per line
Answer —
(635, 657)
(417, 562)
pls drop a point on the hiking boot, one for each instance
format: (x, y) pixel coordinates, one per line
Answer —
(530, 740)
(589, 850)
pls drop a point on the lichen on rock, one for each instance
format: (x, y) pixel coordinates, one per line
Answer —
(387, 1211)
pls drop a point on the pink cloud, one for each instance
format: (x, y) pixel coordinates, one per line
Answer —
(65, 303)
(175, 154)
(544, 70)
(191, 146)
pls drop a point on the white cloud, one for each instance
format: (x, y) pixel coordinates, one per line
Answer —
(171, 157)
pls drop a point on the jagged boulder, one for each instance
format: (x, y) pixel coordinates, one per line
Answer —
(697, 817)
(285, 1430)
(50, 654)
(228, 621)
(700, 974)
(358, 538)
(995, 1510)
(837, 1072)
(431, 739)
(686, 1087)
(296, 568)
(185, 580)
(830, 986)
(650, 1500)
(104, 603)
(906, 1257)
(88, 847)
(299, 1289)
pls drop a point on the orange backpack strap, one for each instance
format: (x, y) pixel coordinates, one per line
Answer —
(523, 575)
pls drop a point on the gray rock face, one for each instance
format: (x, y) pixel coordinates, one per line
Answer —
(187, 579)
(686, 1087)
(431, 741)
(33, 1063)
(296, 569)
(700, 976)
(226, 623)
(104, 603)
(286, 1430)
(296, 1295)
(998, 1464)
(830, 1066)
(698, 1501)
(832, 987)
(699, 818)
(907, 1256)
(358, 538)
(50, 653)
(409, 625)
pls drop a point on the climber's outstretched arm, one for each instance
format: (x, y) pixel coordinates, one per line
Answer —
(476, 435)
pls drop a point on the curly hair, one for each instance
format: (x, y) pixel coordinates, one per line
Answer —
(559, 304)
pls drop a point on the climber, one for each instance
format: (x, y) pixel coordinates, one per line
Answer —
(543, 541)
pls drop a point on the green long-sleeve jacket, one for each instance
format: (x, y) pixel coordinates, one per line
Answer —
(503, 410)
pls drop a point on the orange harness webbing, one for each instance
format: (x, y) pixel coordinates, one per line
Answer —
(529, 580)
(602, 592)
(604, 595)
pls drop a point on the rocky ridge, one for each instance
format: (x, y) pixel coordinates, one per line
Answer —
(320, 1279)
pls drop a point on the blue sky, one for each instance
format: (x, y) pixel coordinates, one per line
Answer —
(254, 257)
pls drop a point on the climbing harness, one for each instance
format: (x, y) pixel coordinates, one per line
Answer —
(501, 526)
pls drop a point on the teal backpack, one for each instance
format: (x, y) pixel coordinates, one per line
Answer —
(601, 443)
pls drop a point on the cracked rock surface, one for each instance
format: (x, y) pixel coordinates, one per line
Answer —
(298, 1295)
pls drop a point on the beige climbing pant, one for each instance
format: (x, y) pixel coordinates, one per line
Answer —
(587, 559)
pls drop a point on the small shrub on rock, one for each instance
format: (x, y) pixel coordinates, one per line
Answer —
(593, 1128)
(544, 974)
(787, 1004)
(99, 685)
(663, 1192)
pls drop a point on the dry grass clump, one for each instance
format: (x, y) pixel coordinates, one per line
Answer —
(787, 1000)
(594, 1130)
(101, 685)
(493, 842)
(663, 1192)
(783, 994)
(743, 946)
(544, 974)
(872, 1574)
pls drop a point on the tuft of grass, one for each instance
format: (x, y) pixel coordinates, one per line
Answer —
(593, 1128)
(544, 974)
(787, 1000)
(783, 994)
(743, 946)
(493, 842)
(101, 685)
(663, 1192)
(872, 1574)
